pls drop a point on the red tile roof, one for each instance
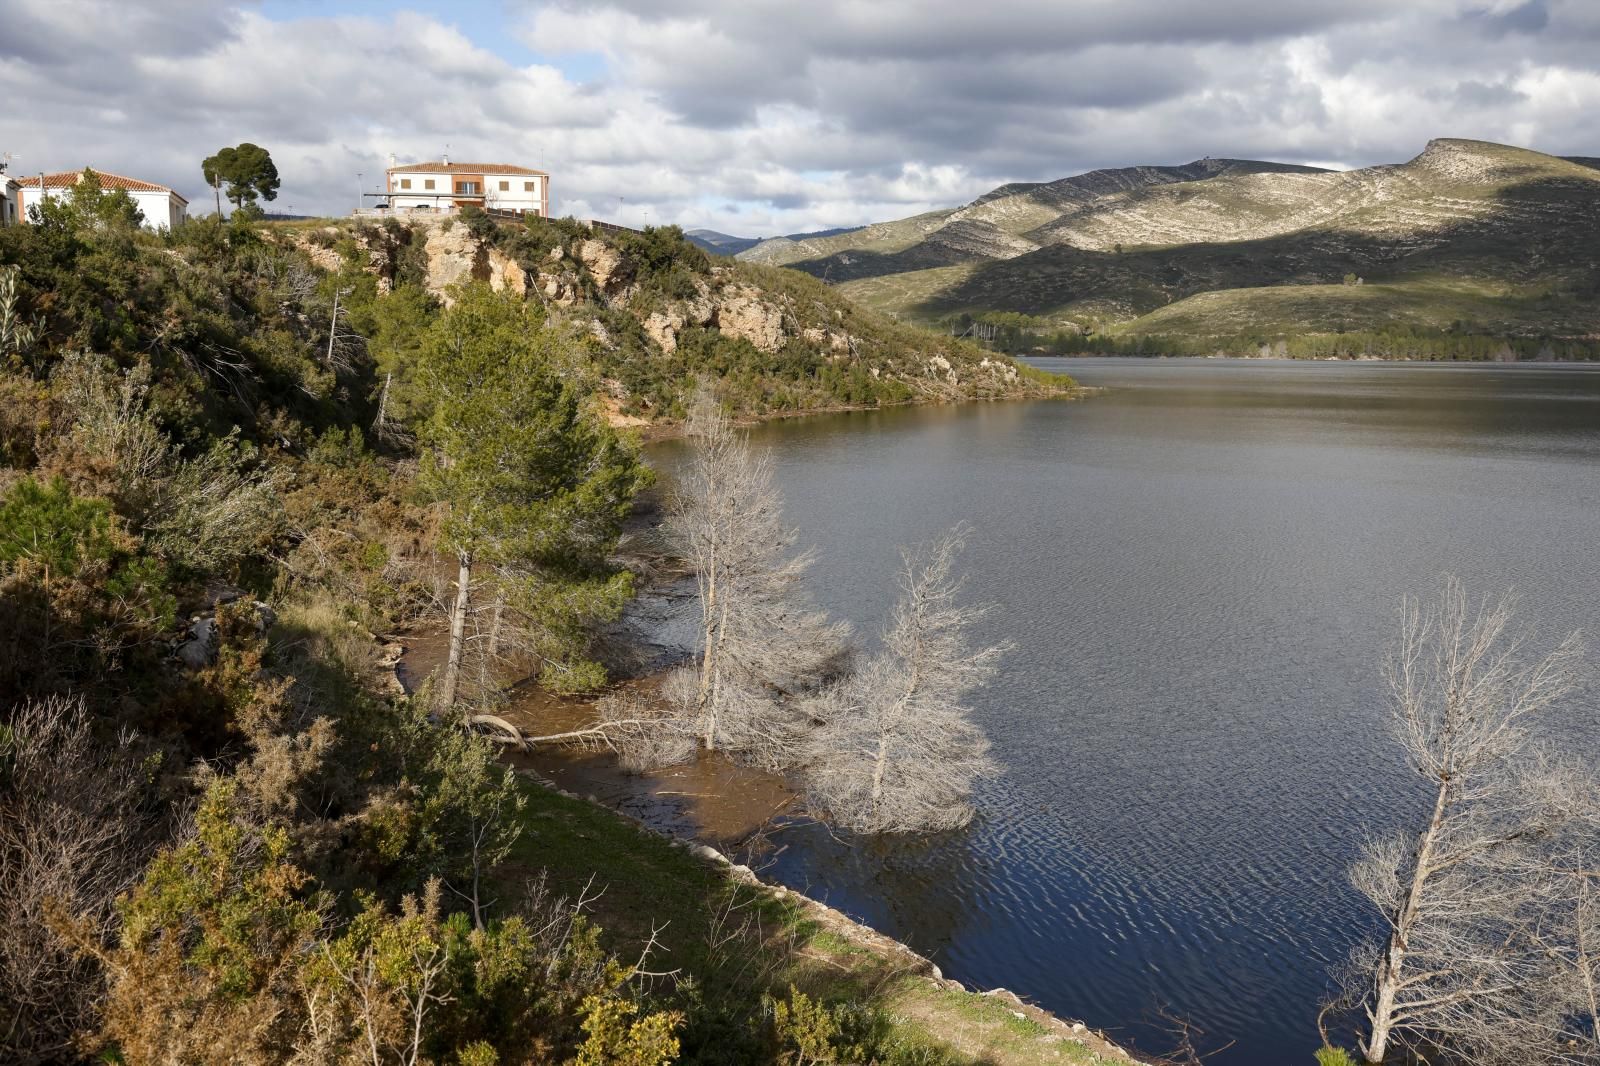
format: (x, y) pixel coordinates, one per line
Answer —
(68, 178)
(464, 168)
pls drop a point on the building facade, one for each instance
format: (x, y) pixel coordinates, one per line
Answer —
(9, 213)
(162, 208)
(447, 186)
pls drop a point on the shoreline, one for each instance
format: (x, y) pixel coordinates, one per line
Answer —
(712, 815)
(652, 432)
(709, 832)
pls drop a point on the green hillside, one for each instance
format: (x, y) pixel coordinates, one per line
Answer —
(1467, 237)
(237, 461)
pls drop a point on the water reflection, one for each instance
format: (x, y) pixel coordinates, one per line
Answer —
(1199, 569)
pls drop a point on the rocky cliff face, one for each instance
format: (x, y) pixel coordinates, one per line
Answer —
(592, 280)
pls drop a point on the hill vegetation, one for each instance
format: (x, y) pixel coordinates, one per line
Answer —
(232, 456)
(652, 312)
(1469, 239)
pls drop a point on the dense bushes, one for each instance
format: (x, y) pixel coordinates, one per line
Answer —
(214, 493)
(79, 598)
(194, 428)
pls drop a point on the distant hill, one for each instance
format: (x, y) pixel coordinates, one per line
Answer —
(726, 244)
(1468, 235)
(720, 243)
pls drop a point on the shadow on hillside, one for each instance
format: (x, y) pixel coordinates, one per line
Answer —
(1537, 233)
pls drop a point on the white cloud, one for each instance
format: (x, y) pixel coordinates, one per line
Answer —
(761, 116)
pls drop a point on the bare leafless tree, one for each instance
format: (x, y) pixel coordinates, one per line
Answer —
(1458, 889)
(71, 839)
(761, 641)
(897, 750)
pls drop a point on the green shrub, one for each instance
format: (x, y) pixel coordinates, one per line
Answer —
(1334, 1056)
(60, 532)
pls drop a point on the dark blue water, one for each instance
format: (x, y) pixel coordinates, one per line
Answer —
(1199, 569)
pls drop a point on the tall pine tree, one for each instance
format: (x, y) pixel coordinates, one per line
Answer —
(536, 482)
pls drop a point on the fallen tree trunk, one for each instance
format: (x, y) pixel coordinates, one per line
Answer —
(510, 735)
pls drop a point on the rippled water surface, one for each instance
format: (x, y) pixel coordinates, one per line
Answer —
(1199, 570)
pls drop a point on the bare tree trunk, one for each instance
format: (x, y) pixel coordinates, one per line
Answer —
(711, 666)
(458, 632)
(477, 872)
(1466, 965)
(1381, 1016)
(761, 639)
(897, 750)
(383, 404)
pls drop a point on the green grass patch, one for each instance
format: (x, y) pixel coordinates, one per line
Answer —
(733, 943)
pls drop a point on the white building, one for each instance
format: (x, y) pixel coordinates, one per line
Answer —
(162, 207)
(446, 186)
(9, 213)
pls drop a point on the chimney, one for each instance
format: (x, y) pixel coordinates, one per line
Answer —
(391, 161)
(447, 157)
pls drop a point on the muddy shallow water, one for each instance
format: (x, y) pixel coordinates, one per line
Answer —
(710, 799)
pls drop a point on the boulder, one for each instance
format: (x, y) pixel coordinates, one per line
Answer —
(560, 289)
(505, 273)
(605, 264)
(201, 646)
(454, 255)
(662, 327)
(744, 314)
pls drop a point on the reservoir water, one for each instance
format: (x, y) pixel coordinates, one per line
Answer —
(1200, 569)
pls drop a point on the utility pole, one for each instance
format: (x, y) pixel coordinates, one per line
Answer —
(358, 192)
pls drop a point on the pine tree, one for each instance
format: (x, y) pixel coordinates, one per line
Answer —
(536, 483)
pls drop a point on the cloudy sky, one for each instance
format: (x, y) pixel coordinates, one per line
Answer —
(767, 116)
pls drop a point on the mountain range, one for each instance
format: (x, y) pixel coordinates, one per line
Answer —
(1469, 235)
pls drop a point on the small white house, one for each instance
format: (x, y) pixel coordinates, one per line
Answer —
(446, 186)
(162, 207)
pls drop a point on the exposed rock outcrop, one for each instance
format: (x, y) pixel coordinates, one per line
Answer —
(605, 265)
(743, 312)
(454, 255)
(593, 280)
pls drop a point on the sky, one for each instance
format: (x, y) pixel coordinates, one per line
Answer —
(758, 117)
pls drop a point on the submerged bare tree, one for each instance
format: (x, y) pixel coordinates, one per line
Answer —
(898, 751)
(760, 638)
(1461, 889)
(1560, 1022)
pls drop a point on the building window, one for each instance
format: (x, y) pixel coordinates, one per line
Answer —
(405, 183)
(505, 186)
(468, 188)
(527, 186)
(427, 183)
